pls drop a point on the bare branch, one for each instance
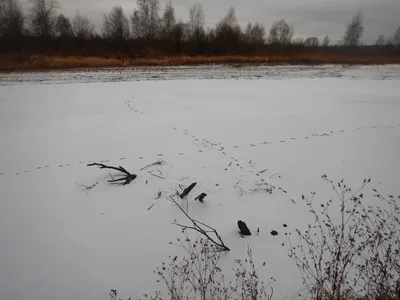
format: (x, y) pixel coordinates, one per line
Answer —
(127, 178)
(197, 226)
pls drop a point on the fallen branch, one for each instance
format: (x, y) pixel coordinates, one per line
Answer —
(187, 190)
(126, 176)
(201, 228)
(157, 163)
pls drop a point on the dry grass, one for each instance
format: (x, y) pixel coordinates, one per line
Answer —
(11, 63)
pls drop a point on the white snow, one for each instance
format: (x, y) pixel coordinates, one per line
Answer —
(59, 242)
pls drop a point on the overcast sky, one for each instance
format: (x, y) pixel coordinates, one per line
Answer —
(309, 17)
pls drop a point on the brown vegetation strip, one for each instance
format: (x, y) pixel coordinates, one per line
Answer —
(11, 63)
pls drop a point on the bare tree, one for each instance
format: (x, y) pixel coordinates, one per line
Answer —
(168, 21)
(230, 18)
(396, 37)
(135, 23)
(196, 23)
(298, 41)
(116, 24)
(147, 19)
(254, 34)
(63, 26)
(280, 33)
(325, 41)
(11, 19)
(178, 36)
(82, 28)
(228, 32)
(43, 14)
(389, 42)
(380, 41)
(354, 31)
(311, 42)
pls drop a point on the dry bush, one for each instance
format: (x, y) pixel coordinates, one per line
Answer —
(198, 275)
(351, 249)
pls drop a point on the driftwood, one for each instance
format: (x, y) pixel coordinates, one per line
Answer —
(126, 176)
(201, 228)
(187, 190)
(201, 197)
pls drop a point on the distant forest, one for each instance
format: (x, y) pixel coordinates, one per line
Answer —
(154, 31)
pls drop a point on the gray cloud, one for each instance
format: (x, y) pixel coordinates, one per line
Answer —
(309, 17)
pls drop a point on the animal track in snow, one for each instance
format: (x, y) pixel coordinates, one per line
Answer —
(326, 134)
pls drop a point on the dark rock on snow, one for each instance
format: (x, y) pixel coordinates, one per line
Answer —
(200, 197)
(243, 228)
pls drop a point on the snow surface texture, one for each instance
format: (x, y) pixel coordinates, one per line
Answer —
(59, 241)
(205, 72)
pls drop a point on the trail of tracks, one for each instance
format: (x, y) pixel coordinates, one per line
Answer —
(205, 144)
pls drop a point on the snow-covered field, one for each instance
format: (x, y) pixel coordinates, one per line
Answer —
(59, 241)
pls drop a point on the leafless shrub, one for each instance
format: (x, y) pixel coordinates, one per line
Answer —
(248, 284)
(355, 255)
(198, 275)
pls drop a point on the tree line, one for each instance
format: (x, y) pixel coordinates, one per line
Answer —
(151, 30)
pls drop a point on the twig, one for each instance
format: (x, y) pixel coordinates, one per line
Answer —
(84, 187)
(274, 175)
(236, 185)
(157, 163)
(151, 206)
(157, 176)
(196, 227)
(159, 194)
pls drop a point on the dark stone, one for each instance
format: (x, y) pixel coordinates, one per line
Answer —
(274, 232)
(243, 228)
(284, 225)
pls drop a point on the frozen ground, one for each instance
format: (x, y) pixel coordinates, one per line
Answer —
(206, 72)
(61, 242)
